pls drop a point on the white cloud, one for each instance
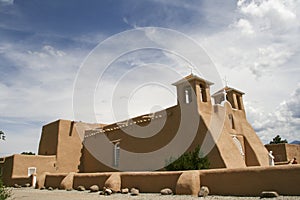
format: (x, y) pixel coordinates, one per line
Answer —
(245, 26)
(40, 83)
(283, 121)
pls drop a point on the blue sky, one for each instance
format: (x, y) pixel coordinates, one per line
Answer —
(255, 44)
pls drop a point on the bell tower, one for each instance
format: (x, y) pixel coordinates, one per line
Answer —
(233, 96)
(193, 90)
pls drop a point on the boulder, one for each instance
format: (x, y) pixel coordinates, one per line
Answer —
(107, 191)
(42, 188)
(50, 188)
(94, 188)
(81, 188)
(166, 191)
(134, 192)
(269, 194)
(188, 183)
(125, 191)
(67, 182)
(204, 191)
(27, 185)
(114, 182)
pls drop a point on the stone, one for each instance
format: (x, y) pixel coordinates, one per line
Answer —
(94, 188)
(17, 186)
(42, 188)
(188, 183)
(134, 192)
(81, 188)
(269, 194)
(50, 188)
(27, 185)
(114, 182)
(125, 191)
(108, 191)
(204, 191)
(67, 182)
(166, 191)
(69, 189)
(101, 193)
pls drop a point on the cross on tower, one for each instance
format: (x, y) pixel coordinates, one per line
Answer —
(191, 68)
(225, 81)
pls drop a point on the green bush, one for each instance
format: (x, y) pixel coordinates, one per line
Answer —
(4, 191)
(188, 161)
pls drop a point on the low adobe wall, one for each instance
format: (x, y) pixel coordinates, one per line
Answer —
(253, 180)
(240, 182)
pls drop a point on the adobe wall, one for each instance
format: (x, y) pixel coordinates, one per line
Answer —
(253, 180)
(284, 152)
(237, 182)
(49, 139)
(15, 168)
(6, 165)
(293, 150)
(69, 146)
(63, 138)
(279, 152)
(255, 152)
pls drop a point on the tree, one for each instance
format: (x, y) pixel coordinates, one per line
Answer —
(188, 161)
(4, 191)
(2, 135)
(27, 153)
(278, 140)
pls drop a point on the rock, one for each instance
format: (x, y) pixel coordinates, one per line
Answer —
(42, 188)
(81, 188)
(101, 193)
(50, 188)
(269, 194)
(27, 185)
(69, 189)
(108, 191)
(17, 186)
(166, 191)
(188, 183)
(114, 182)
(94, 188)
(204, 191)
(134, 192)
(125, 191)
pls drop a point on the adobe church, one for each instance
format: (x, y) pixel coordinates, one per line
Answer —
(217, 123)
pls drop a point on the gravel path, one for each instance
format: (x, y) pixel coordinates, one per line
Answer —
(34, 194)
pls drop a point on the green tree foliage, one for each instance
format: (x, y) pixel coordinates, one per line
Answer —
(188, 161)
(2, 135)
(4, 191)
(278, 140)
(27, 153)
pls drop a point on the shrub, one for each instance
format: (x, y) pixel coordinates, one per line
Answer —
(188, 161)
(4, 191)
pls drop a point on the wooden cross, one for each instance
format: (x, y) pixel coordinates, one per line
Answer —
(225, 81)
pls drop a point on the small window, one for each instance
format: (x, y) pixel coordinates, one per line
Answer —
(31, 170)
(239, 104)
(203, 93)
(188, 95)
(116, 154)
(232, 126)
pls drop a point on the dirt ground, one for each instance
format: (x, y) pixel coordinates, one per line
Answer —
(35, 194)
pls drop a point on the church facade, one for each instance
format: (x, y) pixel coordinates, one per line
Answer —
(217, 123)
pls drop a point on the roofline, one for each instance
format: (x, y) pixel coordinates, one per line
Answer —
(228, 89)
(192, 77)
